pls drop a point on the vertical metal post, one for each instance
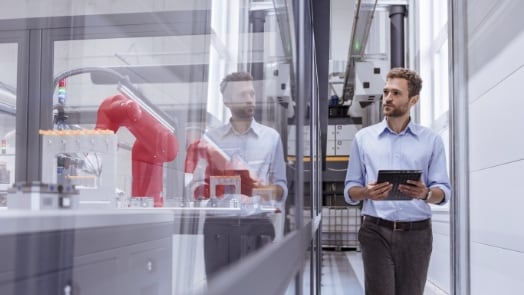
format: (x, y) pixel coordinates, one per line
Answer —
(459, 213)
(35, 105)
(397, 13)
(322, 23)
(32, 166)
(321, 18)
(22, 94)
(258, 19)
(301, 82)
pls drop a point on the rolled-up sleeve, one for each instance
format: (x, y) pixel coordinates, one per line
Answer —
(437, 172)
(354, 174)
(279, 165)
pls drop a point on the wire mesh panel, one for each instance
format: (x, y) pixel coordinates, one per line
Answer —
(340, 225)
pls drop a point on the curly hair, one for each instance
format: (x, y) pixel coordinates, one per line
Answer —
(234, 77)
(414, 80)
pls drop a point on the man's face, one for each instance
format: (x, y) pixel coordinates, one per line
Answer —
(241, 99)
(396, 101)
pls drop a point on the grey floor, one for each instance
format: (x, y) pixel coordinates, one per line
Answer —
(343, 273)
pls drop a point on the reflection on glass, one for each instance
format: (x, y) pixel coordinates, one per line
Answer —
(434, 110)
(238, 165)
(242, 147)
(176, 76)
(8, 79)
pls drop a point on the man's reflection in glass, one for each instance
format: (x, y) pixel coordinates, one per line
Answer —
(241, 149)
(242, 146)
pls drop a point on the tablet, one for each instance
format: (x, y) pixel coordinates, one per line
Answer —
(397, 177)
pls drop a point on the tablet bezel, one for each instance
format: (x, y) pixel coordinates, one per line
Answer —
(395, 177)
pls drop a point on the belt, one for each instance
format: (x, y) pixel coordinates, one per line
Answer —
(399, 225)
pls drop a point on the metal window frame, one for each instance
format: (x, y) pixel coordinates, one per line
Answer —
(459, 139)
(21, 37)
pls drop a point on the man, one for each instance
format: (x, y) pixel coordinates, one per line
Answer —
(244, 147)
(396, 236)
(241, 144)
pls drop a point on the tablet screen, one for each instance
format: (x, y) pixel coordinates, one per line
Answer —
(397, 177)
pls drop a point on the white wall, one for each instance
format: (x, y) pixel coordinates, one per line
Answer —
(496, 140)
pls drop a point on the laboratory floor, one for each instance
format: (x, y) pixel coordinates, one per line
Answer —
(343, 274)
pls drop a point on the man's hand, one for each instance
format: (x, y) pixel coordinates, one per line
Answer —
(268, 192)
(377, 191)
(373, 191)
(415, 189)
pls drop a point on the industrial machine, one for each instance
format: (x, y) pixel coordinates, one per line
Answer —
(154, 143)
(72, 152)
(42, 196)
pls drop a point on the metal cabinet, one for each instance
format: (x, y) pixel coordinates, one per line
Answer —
(128, 259)
(36, 263)
(142, 268)
(148, 268)
(58, 282)
(97, 274)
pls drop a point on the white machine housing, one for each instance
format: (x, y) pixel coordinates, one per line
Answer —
(100, 142)
(370, 78)
(42, 196)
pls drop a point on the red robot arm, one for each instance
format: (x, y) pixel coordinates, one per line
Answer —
(154, 144)
(215, 165)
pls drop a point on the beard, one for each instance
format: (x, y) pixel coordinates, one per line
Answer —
(243, 113)
(392, 111)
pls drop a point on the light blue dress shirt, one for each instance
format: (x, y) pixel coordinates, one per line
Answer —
(377, 147)
(260, 147)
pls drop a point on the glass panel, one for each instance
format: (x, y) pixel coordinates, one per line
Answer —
(441, 101)
(434, 106)
(181, 138)
(439, 16)
(29, 8)
(306, 280)
(144, 75)
(8, 81)
(165, 158)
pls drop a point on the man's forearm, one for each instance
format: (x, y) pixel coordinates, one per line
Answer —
(358, 193)
(278, 192)
(437, 196)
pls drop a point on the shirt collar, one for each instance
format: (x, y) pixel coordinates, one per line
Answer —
(411, 128)
(254, 128)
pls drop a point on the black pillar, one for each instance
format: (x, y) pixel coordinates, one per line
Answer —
(258, 19)
(396, 15)
(321, 26)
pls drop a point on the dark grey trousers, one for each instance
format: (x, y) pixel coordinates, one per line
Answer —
(227, 239)
(395, 262)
